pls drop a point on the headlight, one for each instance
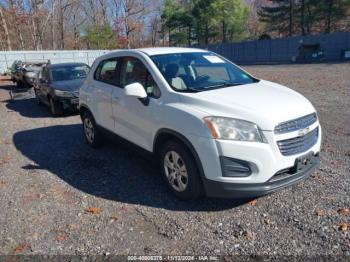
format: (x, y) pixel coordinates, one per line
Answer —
(63, 93)
(234, 129)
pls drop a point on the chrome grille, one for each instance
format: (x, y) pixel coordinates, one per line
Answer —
(298, 144)
(296, 124)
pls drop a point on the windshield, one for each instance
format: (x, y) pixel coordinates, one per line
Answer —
(65, 73)
(195, 72)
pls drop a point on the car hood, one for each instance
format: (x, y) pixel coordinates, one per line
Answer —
(68, 85)
(264, 103)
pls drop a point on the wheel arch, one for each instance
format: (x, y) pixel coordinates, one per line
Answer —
(84, 109)
(166, 134)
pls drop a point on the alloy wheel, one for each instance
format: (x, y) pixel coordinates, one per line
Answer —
(176, 171)
(89, 130)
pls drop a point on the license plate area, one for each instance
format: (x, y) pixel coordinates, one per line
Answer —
(304, 162)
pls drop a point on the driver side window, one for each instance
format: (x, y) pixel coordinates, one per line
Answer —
(133, 70)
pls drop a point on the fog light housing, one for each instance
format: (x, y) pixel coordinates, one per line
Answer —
(234, 167)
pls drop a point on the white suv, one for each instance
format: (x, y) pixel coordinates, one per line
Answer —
(215, 129)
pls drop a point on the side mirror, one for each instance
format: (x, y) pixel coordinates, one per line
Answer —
(135, 90)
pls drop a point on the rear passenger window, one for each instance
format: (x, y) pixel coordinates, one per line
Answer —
(107, 72)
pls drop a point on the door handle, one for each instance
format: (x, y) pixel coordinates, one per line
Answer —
(115, 97)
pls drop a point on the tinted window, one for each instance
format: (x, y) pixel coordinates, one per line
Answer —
(69, 72)
(134, 71)
(107, 72)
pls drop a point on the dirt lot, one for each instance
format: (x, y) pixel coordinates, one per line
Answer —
(60, 197)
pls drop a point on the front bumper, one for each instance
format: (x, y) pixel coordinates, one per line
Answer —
(69, 103)
(276, 183)
(264, 159)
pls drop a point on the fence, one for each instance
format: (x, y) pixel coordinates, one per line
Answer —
(284, 50)
(83, 56)
(251, 52)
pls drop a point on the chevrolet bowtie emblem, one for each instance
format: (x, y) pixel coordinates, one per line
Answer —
(304, 131)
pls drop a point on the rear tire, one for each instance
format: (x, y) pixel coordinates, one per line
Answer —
(92, 134)
(180, 171)
(55, 107)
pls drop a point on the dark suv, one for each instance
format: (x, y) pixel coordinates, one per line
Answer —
(57, 86)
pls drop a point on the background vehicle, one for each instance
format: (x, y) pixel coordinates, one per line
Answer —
(16, 65)
(214, 128)
(24, 73)
(310, 53)
(57, 85)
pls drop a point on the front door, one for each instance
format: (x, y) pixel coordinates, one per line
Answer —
(134, 120)
(44, 88)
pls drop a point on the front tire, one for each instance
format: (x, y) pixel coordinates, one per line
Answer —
(37, 98)
(55, 108)
(179, 169)
(92, 134)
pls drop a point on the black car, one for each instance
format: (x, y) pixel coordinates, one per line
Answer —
(57, 86)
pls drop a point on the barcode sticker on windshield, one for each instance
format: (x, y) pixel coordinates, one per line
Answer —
(214, 59)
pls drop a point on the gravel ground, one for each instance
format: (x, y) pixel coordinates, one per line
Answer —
(58, 196)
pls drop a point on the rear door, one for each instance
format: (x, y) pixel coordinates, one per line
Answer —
(101, 88)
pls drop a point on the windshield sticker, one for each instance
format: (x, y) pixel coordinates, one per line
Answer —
(214, 59)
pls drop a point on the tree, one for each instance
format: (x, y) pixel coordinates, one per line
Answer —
(333, 11)
(279, 16)
(100, 37)
(63, 6)
(231, 16)
(170, 17)
(4, 25)
(202, 13)
(303, 16)
(204, 20)
(131, 12)
(255, 29)
(15, 7)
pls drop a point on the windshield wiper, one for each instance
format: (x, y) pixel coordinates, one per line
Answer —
(188, 90)
(193, 90)
(226, 84)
